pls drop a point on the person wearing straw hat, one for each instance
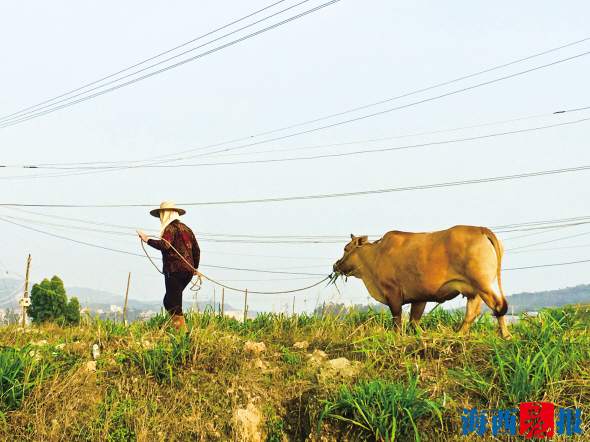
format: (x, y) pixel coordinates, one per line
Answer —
(180, 253)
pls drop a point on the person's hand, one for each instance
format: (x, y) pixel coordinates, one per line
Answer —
(142, 235)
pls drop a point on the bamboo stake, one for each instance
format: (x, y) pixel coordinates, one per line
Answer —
(26, 293)
(126, 297)
(222, 301)
(245, 305)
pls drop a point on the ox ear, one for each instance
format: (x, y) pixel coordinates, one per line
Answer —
(363, 240)
(351, 236)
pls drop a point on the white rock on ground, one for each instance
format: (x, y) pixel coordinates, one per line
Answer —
(339, 367)
(318, 357)
(248, 422)
(91, 365)
(302, 345)
(255, 348)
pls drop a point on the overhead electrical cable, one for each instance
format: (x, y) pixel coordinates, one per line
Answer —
(562, 238)
(381, 112)
(333, 155)
(243, 269)
(376, 103)
(66, 238)
(167, 68)
(442, 185)
(144, 61)
(373, 104)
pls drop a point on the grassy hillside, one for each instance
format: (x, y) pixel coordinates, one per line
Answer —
(281, 378)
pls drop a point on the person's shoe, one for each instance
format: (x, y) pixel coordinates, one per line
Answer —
(178, 322)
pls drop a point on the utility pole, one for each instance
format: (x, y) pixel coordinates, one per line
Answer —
(245, 305)
(222, 302)
(293, 310)
(26, 301)
(213, 300)
(126, 296)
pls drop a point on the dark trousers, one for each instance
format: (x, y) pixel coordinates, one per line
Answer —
(175, 283)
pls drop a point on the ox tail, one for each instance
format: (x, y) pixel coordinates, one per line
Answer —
(491, 236)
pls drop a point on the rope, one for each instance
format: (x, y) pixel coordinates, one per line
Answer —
(196, 286)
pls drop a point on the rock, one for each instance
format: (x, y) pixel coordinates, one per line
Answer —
(302, 345)
(318, 357)
(91, 365)
(339, 367)
(248, 423)
(255, 348)
(260, 364)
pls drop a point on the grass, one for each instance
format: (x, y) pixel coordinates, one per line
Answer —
(155, 384)
(382, 409)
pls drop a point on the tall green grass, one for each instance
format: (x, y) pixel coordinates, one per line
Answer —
(530, 366)
(381, 409)
(21, 370)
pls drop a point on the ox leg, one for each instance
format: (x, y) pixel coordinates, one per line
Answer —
(416, 312)
(472, 311)
(503, 328)
(499, 306)
(395, 307)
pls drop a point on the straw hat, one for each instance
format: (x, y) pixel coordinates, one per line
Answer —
(167, 205)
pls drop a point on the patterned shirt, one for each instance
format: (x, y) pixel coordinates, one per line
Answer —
(182, 239)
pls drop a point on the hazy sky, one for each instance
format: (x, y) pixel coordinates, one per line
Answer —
(349, 54)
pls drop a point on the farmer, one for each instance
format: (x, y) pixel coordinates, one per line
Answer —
(180, 253)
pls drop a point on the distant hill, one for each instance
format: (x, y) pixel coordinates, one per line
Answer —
(517, 303)
(532, 301)
(100, 299)
(8, 297)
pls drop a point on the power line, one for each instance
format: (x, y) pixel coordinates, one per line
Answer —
(250, 270)
(334, 155)
(167, 68)
(262, 239)
(168, 51)
(403, 95)
(548, 265)
(545, 225)
(405, 106)
(326, 195)
(550, 249)
(549, 241)
(142, 256)
(373, 104)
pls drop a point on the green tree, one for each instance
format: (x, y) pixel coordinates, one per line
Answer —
(50, 303)
(72, 313)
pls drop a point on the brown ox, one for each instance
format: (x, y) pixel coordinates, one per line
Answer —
(416, 268)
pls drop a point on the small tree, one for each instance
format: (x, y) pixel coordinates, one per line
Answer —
(50, 303)
(72, 313)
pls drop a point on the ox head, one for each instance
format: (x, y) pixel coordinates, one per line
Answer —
(349, 263)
